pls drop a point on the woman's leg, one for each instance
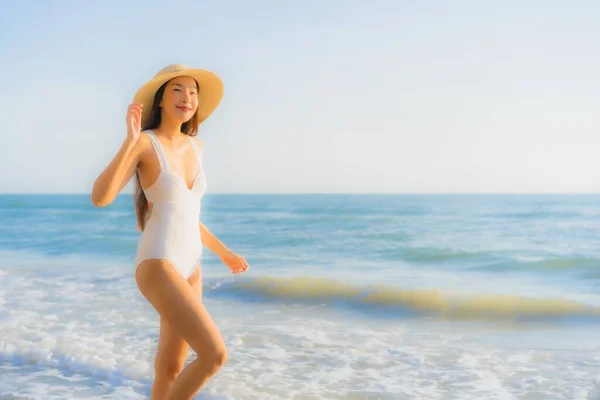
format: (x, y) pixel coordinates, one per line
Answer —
(172, 349)
(176, 301)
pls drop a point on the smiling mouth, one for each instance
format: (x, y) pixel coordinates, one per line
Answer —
(184, 108)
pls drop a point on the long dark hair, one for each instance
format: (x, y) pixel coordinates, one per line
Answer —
(190, 128)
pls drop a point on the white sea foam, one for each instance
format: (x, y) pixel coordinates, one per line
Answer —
(70, 333)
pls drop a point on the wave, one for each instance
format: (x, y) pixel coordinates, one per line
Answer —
(438, 255)
(18, 357)
(338, 210)
(587, 268)
(531, 215)
(564, 263)
(43, 364)
(420, 302)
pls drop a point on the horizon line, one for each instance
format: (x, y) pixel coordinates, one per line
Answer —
(319, 193)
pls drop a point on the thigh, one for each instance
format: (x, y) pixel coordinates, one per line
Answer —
(172, 348)
(177, 302)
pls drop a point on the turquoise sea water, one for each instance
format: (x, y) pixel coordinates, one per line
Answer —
(348, 297)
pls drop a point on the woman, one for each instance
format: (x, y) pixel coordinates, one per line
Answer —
(166, 157)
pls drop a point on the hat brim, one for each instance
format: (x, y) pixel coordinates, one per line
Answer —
(209, 96)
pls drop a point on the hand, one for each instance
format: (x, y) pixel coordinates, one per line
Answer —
(134, 121)
(234, 262)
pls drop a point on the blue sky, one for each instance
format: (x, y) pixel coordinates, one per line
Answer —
(320, 96)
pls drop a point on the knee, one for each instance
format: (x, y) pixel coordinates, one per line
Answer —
(217, 357)
(221, 357)
(167, 371)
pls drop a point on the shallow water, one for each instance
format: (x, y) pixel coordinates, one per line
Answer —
(348, 297)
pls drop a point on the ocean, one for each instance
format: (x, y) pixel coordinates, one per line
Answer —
(347, 297)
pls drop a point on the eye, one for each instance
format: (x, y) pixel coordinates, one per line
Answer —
(176, 89)
(194, 93)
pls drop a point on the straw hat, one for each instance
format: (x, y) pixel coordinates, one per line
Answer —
(209, 96)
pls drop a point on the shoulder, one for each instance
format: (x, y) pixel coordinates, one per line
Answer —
(143, 144)
(199, 142)
(144, 136)
(144, 141)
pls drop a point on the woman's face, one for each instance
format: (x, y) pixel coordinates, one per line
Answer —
(180, 99)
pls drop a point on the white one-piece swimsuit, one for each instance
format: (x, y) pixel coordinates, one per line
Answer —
(172, 230)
